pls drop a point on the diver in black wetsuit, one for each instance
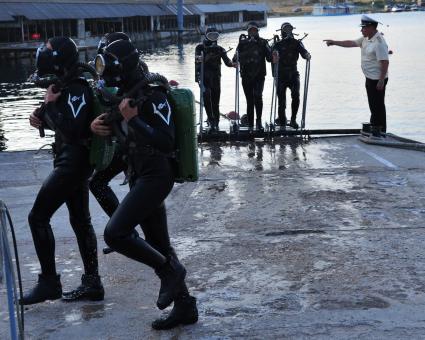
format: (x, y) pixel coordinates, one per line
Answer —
(99, 182)
(69, 114)
(213, 54)
(287, 52)
(252, 53)
(149, 145)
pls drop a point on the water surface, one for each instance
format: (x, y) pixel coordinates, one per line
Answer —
(337, 98)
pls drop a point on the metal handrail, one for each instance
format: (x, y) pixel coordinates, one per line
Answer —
(16, 312)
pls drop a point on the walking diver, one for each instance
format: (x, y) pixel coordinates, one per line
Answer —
(68, 113)
(150, 143)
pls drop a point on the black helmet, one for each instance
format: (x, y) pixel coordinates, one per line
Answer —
(252, 24)
(118, 63)
(251, 32)
(62, 55)
(212, 34)
(109, 38)
(286, 30)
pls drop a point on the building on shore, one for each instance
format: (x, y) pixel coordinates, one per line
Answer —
(26, 24)
(332, 8)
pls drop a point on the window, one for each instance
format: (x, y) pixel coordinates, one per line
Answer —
(221, 18)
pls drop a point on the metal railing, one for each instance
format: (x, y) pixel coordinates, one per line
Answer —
(9, 272)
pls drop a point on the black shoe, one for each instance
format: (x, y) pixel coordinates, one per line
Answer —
(184, 312)
(172, 275)
(376, 131)
(280, 122)
(90, 289)
(48, 287)
(217, 128)
(258, 125)
(293, 124)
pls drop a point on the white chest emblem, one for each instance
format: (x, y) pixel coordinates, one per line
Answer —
(163, 110)
(76, 103)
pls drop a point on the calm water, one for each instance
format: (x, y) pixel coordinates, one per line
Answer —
(337, 98)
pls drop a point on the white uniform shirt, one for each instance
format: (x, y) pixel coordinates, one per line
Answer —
(373, 50)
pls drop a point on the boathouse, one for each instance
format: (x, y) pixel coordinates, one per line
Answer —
(27, 23)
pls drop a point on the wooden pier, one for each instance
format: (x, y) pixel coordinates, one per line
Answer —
(15, 53)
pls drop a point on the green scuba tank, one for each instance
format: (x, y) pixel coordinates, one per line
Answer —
(183, 104)
(102, 149)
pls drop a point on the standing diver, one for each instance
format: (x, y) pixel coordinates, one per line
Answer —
(68, 113)
(286, 52)
(150, 145)
(213, 54)
(252, 53)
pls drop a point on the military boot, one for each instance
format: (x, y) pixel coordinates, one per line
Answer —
(91, 288)
(293, 124)
(172, 275)
(184, 312)
(258, 125)
(48, 287)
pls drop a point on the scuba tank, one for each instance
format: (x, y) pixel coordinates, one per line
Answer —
(102, 149)
(182, 102)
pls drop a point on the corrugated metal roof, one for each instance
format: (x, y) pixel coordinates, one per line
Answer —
(45, 11)
(187, 9)
(55, 10)
(237, 7)
(4, 16)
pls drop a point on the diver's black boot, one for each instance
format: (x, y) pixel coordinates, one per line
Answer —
(280, 121)
(172, 274)
(91, 288)
(184, 312)
(258, 125)
(294, 124)
(48, 287)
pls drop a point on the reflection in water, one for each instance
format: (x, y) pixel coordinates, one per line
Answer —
(2, 138)
(215, 154)
(86, 313)
(257, 155)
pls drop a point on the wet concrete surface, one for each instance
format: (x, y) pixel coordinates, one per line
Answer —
(319, 240)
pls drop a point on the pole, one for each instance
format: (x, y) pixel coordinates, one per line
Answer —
(306, 82)
(16, 312)
(274, 105)
(180, 15)
(237, 92)
(271, 125)
(201, 99)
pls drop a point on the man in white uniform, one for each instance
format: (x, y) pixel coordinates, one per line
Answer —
(374, 63)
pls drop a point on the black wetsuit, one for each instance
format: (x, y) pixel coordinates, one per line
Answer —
(288, 77)
(213, 54)
(253, 53)
(150, 142)
(71, 116)
(99, 183)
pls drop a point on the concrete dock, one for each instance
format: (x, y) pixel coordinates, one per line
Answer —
(291, 240)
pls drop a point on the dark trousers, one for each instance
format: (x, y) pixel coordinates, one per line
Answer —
(69, 186)
(144, 206)
(99, 184)
(212, 97)
(376, 99)
(253, 89)
(291, 81)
